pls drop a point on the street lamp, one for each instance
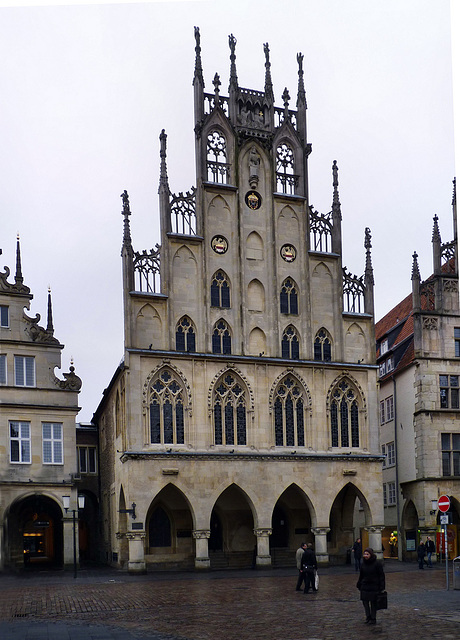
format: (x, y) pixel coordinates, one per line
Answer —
(434, 507)
(81, 505)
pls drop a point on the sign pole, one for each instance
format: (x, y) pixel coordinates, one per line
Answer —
(444, 506)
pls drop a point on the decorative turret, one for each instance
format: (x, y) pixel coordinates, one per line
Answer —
(301, 102)
(268, 77)
(49, 324)
(127, 248)
(415, 277)
(18, 277)
(198, 82)
(436, 241)
(336, 212)
(368, 275)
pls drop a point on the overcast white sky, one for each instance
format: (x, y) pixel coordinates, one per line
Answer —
(86, 90)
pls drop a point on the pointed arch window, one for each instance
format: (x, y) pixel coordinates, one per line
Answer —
(286, 180)
(289, 414)
(288, 298)
(185, 335)
(290, 344)
(229, 409)
(322, 347)
(221, 338)
(218, 168)
(166, 402)
(220, 290)
(344, 416)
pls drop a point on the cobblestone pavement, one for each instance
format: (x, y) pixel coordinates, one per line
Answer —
(244, 605)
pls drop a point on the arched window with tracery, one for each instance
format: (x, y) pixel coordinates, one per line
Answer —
(221, 338)
(220, 290)
(289, 414)
(229, 407)
(290, 344)
(185, 335)
(218, 168)
(166, 402)
(286, 180)
(322, 347)
(344, 416)
(288, 298)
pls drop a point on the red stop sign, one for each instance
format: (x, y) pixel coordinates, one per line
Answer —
(444, 504)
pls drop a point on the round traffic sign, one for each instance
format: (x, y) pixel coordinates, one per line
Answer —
(444, 504)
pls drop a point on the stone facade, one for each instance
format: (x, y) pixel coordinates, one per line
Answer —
(37, 435)
(243, 418)
(418, 346)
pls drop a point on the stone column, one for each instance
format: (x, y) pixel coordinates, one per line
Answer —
(202, 560)
(263, 558)
(322, 555)
(67, 534)
(375, 539)
(136, 562)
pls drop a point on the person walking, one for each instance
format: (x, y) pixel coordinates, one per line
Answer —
(420, 555)
(358, 553)
(371, 582)
(309, 566)
(430, 549)
(298, 559)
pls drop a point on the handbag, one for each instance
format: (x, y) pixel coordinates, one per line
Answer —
(316, 580)
(382, 600)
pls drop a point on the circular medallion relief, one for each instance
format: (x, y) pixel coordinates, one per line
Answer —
(288, 252)
(219, 244)
(253, 200)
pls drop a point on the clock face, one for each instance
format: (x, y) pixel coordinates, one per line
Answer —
(288, 252)
(219, 244)
(253, 200)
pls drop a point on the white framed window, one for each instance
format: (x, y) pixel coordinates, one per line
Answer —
(383, 347)
(382, 369)
(2, 369)
(389, 408)
(384, 453)
(52, 443)
(391, 459)
(20, 442)
(86, 460)
(449, 392)
(391, 493)
(389, 365)
(382, 411)
(4, 316)
(24, 371)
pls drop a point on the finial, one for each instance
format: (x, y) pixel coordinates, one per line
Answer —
(163, 169)
(415, 269)
(216, 82)
(233, 77)
(126, 212)
(335, 184)
(286, 97)
(436, 236)
(301, 97)
(454, 193)
(268, 78)
(49, 324)
(369, 273)
(198, 66)
(18, 277)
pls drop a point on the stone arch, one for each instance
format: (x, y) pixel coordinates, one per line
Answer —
(231, 368)
(355, 343)
(219, 209)
(185, 277)
(345, 522)
(257, 342)
(345, 375)
(254, 246)
(289, 371)
(321, 270)
(256, 296)
(149, 326)
(166, 364)
(292, 511)
(288, 220)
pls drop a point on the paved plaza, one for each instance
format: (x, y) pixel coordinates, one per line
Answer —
(245, 605)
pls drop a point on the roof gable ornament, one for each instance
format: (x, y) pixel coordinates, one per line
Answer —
(301, 95)
(233, 77)
(198, 66)
(268, 78)
(415, 270)
(368, 272)
(126, 212)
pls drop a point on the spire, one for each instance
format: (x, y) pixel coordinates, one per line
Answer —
(216, 82)
(268, 78)
(126, 213)
(49, 324)
(163, 169)
(436, 240)
(436, 237)
(335, 183)
(198, 77)
(18, 277)
(415, 269)
(286, 97)
(301, 96)
(233, 77)
(369, 272)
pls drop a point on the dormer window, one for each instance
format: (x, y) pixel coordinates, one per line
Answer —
(383, 346)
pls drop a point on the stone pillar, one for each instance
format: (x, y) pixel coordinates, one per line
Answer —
(322, 556)
(202, 560)
(263, 558)
(375, 539)
(136, 562)
(67, 534)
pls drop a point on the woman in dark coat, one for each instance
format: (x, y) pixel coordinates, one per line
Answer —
(371, 582)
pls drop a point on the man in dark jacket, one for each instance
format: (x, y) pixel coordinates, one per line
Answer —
(371, 582)
(421, 554)
(309, 566)
(430, 549)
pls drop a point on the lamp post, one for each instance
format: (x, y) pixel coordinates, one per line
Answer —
(81, 505)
